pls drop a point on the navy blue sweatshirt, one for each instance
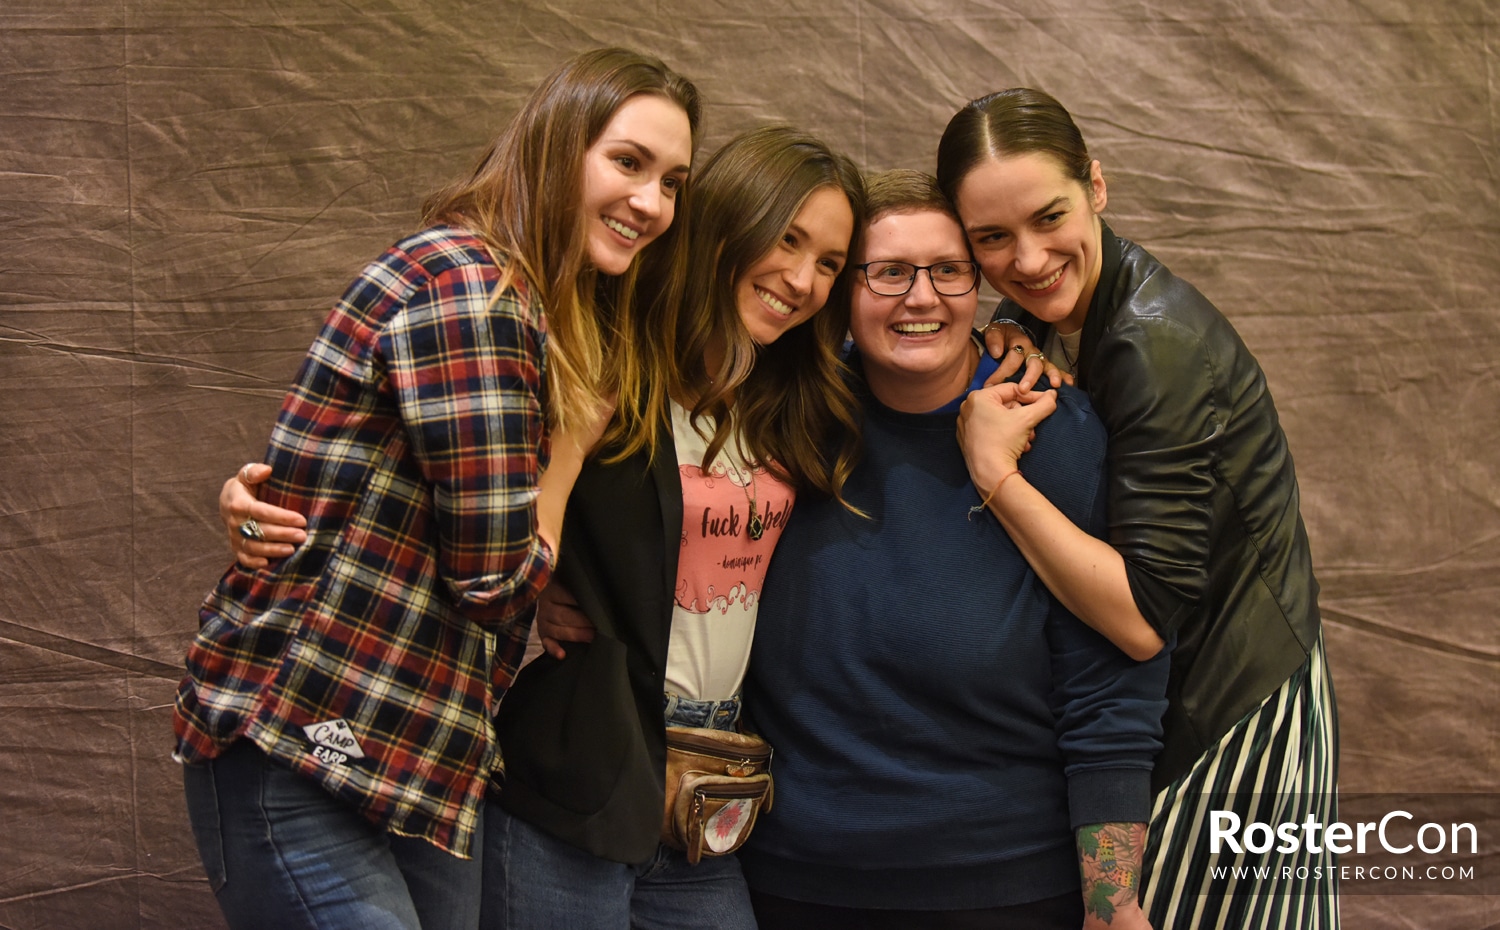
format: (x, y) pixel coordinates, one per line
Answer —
(941, 723)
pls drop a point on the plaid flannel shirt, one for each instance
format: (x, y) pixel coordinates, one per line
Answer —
(372, 659)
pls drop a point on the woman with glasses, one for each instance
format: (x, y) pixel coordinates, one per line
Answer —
(952, 746)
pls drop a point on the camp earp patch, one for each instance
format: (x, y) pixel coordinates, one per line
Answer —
(334, 741)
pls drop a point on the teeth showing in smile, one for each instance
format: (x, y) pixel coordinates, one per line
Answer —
(621, 228)
(1051, 280)
(916, 329)
(774, 303)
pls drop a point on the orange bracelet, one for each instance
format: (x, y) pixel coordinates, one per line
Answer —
(982, 505)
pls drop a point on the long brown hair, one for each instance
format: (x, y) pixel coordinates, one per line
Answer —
(525, 197)
(1017, 121)
(789, 398)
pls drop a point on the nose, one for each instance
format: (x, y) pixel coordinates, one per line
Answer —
(1031, 256)
(647, 199)
(799, 275)
(922, 293)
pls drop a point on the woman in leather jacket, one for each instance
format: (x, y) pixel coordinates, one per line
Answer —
(1206, 539)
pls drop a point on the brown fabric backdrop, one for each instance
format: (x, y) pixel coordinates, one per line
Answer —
(184, 191)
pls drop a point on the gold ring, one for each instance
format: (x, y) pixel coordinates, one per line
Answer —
(1035, 355)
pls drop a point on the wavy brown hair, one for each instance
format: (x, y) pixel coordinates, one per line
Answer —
(789, 400)
(525, 200)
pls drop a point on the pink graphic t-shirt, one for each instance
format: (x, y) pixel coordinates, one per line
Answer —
(722, 564)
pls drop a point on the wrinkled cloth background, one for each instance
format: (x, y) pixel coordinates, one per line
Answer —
(185, 188)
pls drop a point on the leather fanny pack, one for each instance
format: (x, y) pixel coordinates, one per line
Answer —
(718, 782)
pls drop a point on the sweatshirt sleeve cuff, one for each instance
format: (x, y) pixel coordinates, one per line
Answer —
(1112, 795)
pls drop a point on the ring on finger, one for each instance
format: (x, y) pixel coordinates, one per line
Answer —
(1036, 355)
(251, 530)
(245, 472)
(1018, 349)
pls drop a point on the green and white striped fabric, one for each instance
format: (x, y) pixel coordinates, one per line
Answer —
(1278, 765)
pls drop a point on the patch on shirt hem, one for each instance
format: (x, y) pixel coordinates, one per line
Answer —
(334, 741)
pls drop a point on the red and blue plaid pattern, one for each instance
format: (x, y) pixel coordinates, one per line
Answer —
(412, 440)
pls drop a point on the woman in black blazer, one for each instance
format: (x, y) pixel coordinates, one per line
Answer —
(668, 533)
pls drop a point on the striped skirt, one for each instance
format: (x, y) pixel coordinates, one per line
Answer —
(1276, 766)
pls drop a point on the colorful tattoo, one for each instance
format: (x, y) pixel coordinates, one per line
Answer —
(1109, 861)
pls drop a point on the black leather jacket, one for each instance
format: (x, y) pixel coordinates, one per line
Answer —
(1203, 498)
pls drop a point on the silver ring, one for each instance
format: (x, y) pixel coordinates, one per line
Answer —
(251, 530)
(1018, 349)
(244, 469)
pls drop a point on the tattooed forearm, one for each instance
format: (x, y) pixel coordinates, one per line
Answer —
(1109, 862)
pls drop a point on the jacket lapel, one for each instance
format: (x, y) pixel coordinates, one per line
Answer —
(668, 482)
(1102, 305)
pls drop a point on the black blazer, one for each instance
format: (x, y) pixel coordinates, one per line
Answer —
(583, 739)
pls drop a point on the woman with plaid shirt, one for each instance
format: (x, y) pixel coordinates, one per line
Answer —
(335, 722)
(670, 532)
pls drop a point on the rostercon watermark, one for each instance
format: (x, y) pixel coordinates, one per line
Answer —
(1226, 831)
(1362, 844)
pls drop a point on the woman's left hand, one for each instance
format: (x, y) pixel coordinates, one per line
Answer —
(1013, 348)
(995, 427)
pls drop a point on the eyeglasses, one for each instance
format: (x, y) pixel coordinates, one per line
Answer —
(892, 279)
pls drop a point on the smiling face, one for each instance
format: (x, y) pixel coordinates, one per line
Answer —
(1036, 233)
(790, 283)
(631, 176)
(916, 348)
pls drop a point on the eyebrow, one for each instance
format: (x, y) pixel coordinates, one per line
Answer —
(646, 152)
(1049, 207)
(908, 261)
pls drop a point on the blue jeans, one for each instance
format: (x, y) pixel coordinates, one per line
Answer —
(686, 712)
(281, 852)
(533, 880)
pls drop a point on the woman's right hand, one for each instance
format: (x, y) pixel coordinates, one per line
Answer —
(281, 530)
(995, 428)
(560, 620)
